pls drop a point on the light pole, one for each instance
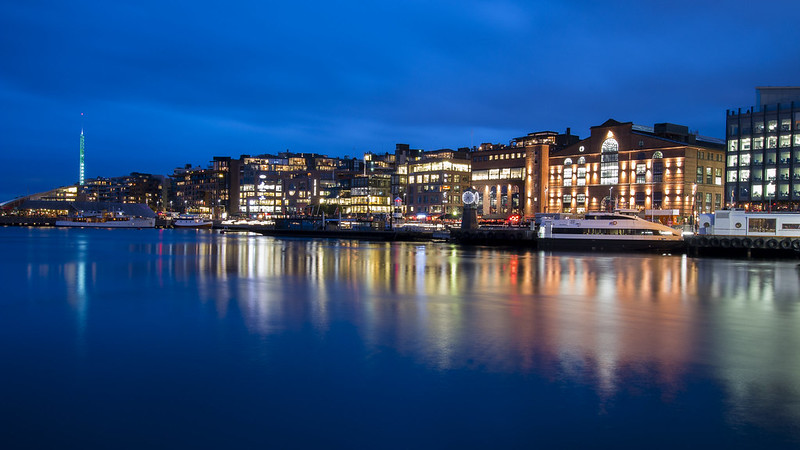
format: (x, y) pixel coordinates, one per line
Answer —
(610, 201)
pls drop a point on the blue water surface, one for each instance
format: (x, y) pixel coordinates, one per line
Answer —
(196, 339)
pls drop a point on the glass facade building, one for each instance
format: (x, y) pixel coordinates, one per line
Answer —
(763, 152)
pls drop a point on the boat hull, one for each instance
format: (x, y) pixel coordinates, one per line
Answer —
(611, 245)
(129, 223)
(192, 224)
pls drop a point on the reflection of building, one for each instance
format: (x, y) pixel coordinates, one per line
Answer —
(628, 166)
(509, 179)
(436, 181)
(763, 152)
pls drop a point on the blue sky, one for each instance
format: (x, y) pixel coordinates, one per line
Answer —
(166, 83)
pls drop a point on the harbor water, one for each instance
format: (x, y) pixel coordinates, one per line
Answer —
(196, 339)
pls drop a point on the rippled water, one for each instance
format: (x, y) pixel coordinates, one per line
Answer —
(174, 338)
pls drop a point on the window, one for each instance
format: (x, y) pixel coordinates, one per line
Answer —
(581, 181)
(758, 127)
(744, 159)
(699, 177)
(771, 174)
(786, 141)
(580, 199)
(761, 225)
(746, 144)
(641, 172)
(658, 155)
(733, 145)
(567, 199)
(709, 178)
(568, 177)
(640, 198)
(582, 160)
(718, 176)
(609, 162)
(658, 171)
(772, 141)
(786, 124)
(744, 175)
(658, 197)
(568, 162)
(772, 126)
(733, 160)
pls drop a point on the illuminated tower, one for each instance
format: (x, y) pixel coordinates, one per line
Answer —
(80, 180)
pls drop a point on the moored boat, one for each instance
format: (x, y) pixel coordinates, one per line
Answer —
(608, 232)
(192, 221)
(95, 219)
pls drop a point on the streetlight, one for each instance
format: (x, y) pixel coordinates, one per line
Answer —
(610, 204)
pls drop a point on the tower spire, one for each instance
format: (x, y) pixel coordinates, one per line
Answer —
(80, 180)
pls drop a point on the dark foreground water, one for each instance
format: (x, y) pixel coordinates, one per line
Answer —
(182, 339)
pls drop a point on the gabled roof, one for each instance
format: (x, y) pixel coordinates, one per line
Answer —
(611, 123)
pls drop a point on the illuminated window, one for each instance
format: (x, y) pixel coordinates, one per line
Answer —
(568, 176)
(609, 162)
(568, 162)
(772, 141)
(581, 176)
(582, 160)
(744, 159)
(641, 171)
(744, 175)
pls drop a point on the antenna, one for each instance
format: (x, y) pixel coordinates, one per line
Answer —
(80, 179)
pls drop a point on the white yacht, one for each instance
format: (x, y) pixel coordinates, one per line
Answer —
(95, 219)
(607, 231)
(192, 221)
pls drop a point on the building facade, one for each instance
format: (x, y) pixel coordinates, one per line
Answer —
(435, 182)
(763, 151)
(663, 171)
(509, 178)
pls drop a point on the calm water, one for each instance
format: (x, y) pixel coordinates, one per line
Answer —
(171, 338)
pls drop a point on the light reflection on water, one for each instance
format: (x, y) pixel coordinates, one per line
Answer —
(614, 323)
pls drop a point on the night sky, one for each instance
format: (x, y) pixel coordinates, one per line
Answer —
(166, 83)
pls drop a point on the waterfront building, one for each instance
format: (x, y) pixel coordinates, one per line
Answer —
(145, 188)
(763, 151)
(197, 190)
(511, 179)
(665, 172)
(436, 180)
